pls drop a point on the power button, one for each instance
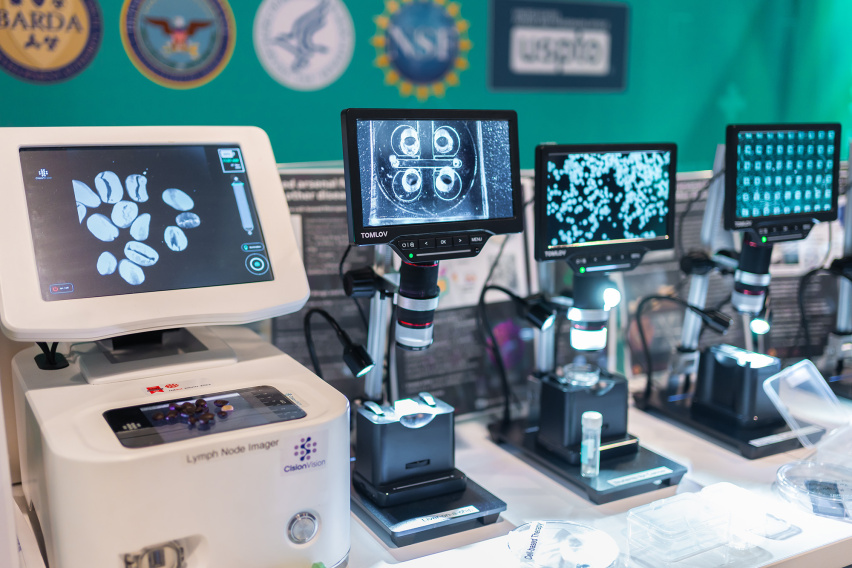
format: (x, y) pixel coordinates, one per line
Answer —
(302, 528)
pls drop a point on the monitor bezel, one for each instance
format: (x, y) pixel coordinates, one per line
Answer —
(731, 222)
(26, 316)
(361, 235)
(540, 247)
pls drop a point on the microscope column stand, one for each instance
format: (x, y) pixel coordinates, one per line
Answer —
(421, 495)
(685, 361)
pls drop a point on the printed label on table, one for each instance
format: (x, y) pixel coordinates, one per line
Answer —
(433, 519)
(784, 436)
(639, 476)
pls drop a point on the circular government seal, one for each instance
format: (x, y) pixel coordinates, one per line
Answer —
(304, 44)
(421, 45)
(180, 44)
(46, 41)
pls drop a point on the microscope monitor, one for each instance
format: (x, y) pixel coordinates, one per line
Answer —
(124, 230)
(601, 207)
(433, 184)
(781, 178)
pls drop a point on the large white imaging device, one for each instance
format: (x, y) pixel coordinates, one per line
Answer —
(147, 440)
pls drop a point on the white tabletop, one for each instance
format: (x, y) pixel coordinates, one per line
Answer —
(533, 495)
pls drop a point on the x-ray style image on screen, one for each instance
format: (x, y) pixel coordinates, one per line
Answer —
(119, 220)
(598, 196)
(425, 171)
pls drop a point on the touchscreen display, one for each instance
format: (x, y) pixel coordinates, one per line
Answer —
(784, 172)
(111, 220)
(193, 417)
(601, 197)
(431, 171)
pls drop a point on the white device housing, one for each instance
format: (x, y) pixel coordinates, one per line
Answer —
(97, 500)
(225, 499)
(25, 316)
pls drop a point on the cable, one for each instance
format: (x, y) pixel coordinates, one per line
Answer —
(496, 260)
(803, 284)
(49, 352)
(487, 328)
(645, 349)
(341, 335)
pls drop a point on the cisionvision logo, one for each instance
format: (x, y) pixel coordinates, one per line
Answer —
(305, 452)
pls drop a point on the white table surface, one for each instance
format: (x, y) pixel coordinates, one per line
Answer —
(532, 494)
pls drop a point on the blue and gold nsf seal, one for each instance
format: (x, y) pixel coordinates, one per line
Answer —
(46, 41)
(421, 45)
(181, 44)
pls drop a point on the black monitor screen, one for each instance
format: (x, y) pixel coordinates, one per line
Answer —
(604, 195)
(777, 173)
(119, 220)
(409, 170)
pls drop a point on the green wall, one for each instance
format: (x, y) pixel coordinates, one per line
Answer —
(693, 66)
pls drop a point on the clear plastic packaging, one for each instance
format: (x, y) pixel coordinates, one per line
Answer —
(821, 484)
(722, 523)
(670, 530)
(562, 544)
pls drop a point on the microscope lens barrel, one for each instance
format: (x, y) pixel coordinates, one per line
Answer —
(416, 302)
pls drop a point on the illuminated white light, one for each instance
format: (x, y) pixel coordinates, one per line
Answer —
(548, 323)
(611, 298)
(365, 370)
(586, 340)
(743, 357)
(759, 326)
(406, 406)
(575, 314)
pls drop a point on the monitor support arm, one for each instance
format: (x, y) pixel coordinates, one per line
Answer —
(545, 347)
(377, 329)
(685, 360)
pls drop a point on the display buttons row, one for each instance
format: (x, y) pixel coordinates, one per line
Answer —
(423, 248)
(431, 243)
(785, 232)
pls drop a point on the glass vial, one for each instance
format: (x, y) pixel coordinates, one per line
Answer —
(590, 448)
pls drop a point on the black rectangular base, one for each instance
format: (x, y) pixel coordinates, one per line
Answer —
(430, 518)
(619, 478)
(751, 443)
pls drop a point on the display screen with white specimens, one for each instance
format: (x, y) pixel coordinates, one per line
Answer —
(123, 220)
(117, 230)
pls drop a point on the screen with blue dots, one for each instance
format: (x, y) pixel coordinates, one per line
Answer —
(784, 172)
(601, 197)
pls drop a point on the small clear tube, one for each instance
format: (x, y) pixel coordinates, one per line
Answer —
(590, 448)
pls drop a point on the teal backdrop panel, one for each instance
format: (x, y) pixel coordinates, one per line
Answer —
(692, 67)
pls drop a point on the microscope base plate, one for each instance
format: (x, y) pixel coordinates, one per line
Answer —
(619, 478)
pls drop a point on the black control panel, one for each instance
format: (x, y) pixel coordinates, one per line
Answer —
(604, 262)
(178, 419)
(432, 247)
(783, 231)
